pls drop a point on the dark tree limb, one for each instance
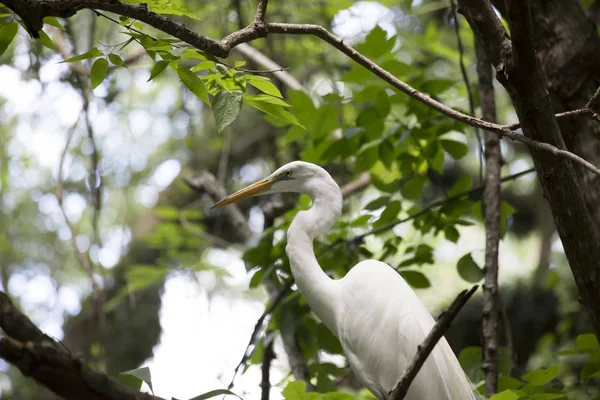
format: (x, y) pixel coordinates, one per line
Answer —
(526, 87)
(423, 351)
(40, 357)
(32, 13)
(268, 357)
(491, 218)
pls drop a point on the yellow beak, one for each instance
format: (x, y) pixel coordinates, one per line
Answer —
(252, 190)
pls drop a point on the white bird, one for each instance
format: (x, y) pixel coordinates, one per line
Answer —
(377, 317)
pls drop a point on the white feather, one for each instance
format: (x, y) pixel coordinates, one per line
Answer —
(378, 318)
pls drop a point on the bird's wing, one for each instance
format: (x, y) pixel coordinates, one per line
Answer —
(382, 325)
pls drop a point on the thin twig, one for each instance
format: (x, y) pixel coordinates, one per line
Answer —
(463, 71)
(214, 240)
(359, 238)
(224, 159)
(507, 330)
(423, 351)
(491, 219)
(268, 357)
(583, 111)
(257, 327)
(83, 260)
(270, 66)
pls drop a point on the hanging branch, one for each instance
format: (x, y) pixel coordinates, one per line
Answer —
(491, 218)
(423, 351)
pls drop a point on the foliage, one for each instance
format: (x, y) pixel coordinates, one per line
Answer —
(413, 156)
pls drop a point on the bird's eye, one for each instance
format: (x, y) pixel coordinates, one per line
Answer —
(288, 173)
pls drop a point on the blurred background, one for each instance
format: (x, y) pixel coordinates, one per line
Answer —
(95, 181)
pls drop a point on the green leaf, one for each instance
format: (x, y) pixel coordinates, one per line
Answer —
(377, 203)
(366, 158)
(456, 149)
(468, 269)
(193, 83)
(226, 107)
(203, 65)
(461, 186)
(506, 395)
(587, 341)
(7, 34)
(376, 43)
(415, 279)
(452, 234)
(470, 361)
(295, 390)
(214, 393)
(505, 211)
(157, 69)
(265, 98)
(264, 85)
(382, 103)
(135, 377)
(45, 40)
(413, 188)
(508, 382)
(274, 110)
(116, 60)
(387, 153)
(92, 53)
(362, 221)
(541, 376)
(436, 86)
(52, 21)
(389, 214)
(99, 71)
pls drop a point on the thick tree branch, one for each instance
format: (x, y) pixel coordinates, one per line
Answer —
(491, 218)
(33, 11)
(423, 351)
(38, 356)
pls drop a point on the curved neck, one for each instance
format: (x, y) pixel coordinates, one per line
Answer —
(320, 291)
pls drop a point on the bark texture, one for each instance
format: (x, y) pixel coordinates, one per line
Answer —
(491, 212)
(518, 70)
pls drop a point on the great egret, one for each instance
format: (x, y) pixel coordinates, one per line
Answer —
(377, 317)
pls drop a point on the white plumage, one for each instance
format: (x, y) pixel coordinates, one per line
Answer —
(377, 317)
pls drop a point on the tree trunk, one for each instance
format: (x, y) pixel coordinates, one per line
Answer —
(565, 186)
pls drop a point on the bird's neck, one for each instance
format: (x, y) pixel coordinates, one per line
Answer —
(320, 291)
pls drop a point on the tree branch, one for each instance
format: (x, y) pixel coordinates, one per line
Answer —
(32, 13)
(423, 351)
(38, 356)
(463, 71)
(265, 382)
(529, 94)
(359, 238)
(491, 219)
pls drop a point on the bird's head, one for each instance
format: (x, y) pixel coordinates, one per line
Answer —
(297, 177)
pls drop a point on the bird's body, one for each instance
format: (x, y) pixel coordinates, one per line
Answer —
(377, 317)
